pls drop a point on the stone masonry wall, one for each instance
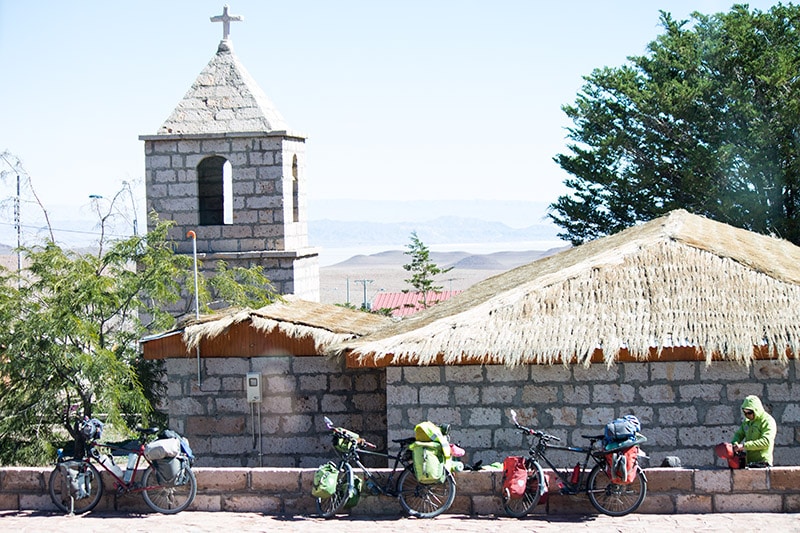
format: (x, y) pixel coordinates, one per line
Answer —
(263, 191)
(685, 407)
(287, 491)
(287, 428)
(269, 228)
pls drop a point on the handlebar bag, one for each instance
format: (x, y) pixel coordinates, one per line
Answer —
(324, 485)
(429, 462)
(515, 476)
(344, 442)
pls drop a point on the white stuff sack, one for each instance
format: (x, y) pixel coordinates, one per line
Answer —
(162, 449)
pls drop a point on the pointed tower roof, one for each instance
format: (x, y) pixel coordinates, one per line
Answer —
(224, 99)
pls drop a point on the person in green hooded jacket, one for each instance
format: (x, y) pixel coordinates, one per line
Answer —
(756, 435)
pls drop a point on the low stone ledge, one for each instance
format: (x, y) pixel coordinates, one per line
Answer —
(287, 491)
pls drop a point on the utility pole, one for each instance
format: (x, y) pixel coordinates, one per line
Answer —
(364, 282)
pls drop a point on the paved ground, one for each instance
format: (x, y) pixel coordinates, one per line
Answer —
(195, 521)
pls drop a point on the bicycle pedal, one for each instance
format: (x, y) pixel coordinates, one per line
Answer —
(566, 491)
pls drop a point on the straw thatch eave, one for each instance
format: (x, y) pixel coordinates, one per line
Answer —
(680, 280)
(289, 326)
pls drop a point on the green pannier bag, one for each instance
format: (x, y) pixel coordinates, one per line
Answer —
(325, 478)
(355, 495)
(429, 462)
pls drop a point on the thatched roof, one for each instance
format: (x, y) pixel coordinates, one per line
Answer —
(291, 326)
(679, 280)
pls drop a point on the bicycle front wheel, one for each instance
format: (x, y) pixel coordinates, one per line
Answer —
(519, 507)
(614, 499)
(424, 500)
(75, 487)
(169, 496)
(328, 507)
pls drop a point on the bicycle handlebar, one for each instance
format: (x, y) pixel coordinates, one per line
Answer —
(535, 432)
(347, 434)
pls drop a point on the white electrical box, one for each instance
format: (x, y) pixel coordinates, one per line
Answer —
(253, 387)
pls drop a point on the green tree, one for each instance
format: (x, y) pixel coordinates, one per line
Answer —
(708, 120)
(422, 269)
(71, 323)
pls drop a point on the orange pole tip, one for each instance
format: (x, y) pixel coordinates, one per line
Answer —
(191, 234)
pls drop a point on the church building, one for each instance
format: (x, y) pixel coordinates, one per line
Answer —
(226, 167)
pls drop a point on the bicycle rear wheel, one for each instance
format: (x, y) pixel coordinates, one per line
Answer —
(614, 499)
(328, 507)
(424, 500)
(169, 496)
(519, 507)
(79, 480)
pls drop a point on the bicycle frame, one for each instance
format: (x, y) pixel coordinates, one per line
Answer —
(120, 484)
(538, 452)
(378, 486)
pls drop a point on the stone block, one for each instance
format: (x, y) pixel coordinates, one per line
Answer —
(676, 415)
(462, 374)
(669, 479)
(673, 371)
(596, 373)
(505, 374)
(748, 503)
(559, 504)
(9, 502)
(280, 480)
(767, 370)
(539, 394)
(435, 394)
(486, 505)
(474, 483)
(750, 480)
(482, 416)
(694, 503)
(221, 479)
(428, 374)
(223, 425)
(564, 416)
(724, 371)
(207, 502)
(504, 395)
(710, 392)
(466, 395)
(736, 392)
(613, 393)
(657, 504)
(25, 479)
(253, 504)
(462, 505)
(43, 502)
(596, 416)
(703, 435)
(712, 481)
(657, 394)
(791, 503)
(445, 415)
(556, 373)
(784, 478)
(636, 372)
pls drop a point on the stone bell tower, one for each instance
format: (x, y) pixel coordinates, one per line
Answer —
(226, 166)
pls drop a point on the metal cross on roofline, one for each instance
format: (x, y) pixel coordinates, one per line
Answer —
(226, 21)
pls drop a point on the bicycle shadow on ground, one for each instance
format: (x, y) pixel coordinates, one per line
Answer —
(557, 519)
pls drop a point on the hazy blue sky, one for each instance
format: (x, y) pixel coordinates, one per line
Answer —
(412, 99)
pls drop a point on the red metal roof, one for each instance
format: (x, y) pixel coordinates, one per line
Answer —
(408, 303)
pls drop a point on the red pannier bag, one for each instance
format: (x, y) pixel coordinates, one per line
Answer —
(621, 465)
(515, 476)
(724, 450)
